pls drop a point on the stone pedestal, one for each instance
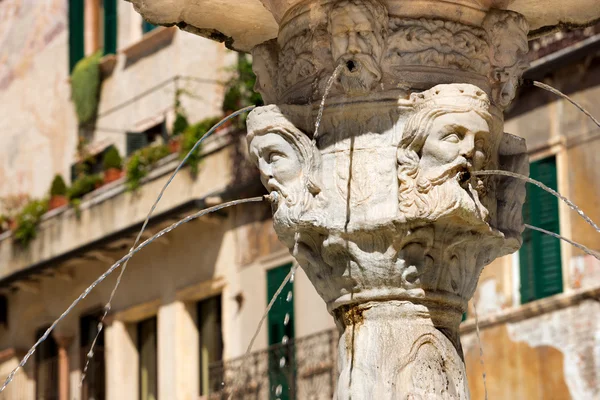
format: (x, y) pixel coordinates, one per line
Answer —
(400, 350)
(380, 206)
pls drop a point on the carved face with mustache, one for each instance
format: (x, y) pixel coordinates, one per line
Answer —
(287, 161)
(441, 144)
(358, 30)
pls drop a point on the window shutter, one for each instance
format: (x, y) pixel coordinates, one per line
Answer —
(135, 141)
(147, 26)
(76, 32)
(110, 26)
(541, 270)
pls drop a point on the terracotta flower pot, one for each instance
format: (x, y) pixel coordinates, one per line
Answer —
(13, 225)
(57, 201)
(112, 174)
(175, 145)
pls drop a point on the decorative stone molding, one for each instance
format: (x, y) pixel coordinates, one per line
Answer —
(384, 216)
(382, 209)
(384, 51)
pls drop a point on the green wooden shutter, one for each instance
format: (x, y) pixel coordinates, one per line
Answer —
(147, 26)
(283, 309)
(540, 259)
(135, 141)
(110, 26)
(76, 32)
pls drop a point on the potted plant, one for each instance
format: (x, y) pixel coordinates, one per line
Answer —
(179, 126)
(28, 220)
(58, 193)
(11, 205)
(113, 165)
(84, 185)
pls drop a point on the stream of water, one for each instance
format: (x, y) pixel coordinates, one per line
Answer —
(116, 265)
(328, 87)
(480, 351)
(108, 305)
(564, 96)
(543, 187)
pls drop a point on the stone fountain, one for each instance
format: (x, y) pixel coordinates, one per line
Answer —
(380, 206)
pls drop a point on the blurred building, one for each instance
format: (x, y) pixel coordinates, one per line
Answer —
(196, 296)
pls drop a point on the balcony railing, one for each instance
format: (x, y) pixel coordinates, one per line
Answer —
(305, 368)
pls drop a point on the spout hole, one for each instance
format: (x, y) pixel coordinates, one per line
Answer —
(465, 176)
(351, 66)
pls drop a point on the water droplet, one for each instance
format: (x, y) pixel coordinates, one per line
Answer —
(282, 362)
(286, 320)
(284, 340)
(292, 277)
(289, 296)
(278, 390)
(90, 354)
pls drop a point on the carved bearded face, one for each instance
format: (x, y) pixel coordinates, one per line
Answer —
(456, 140)
(279, 164)
(432, 157)
(357, 37)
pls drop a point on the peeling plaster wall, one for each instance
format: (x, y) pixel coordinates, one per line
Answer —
(36, 119)
(550, 356)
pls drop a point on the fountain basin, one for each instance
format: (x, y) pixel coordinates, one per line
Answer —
(243, 24)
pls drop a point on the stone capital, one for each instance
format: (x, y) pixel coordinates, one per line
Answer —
(381, 206)
(386, 49)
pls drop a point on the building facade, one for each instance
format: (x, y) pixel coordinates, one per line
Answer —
(189, 304)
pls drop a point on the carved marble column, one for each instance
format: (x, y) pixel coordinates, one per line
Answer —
(381, 208)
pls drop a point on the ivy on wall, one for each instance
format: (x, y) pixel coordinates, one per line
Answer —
(85, 87)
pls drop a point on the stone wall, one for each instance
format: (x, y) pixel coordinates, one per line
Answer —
(37, 123)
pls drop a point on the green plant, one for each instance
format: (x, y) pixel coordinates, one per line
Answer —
(112, 159)
(239, 90)
(83, 185)
(181, 122)
(190, 136)
(85, 87)
(27, 221)
(58, 187)
(141, 162)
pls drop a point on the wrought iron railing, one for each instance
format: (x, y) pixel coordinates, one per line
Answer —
(302, 369)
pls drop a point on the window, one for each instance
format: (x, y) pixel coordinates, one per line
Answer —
(76, 32)
(46, 368)
(103, 24)
(147, 350)
(138, 140)
(539, 257)
(92, 387)
(110, 26)
(147, 26)
(211, 341)
(4, 311)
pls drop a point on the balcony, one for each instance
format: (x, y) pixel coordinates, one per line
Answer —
(111, 216)
(304, 368)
